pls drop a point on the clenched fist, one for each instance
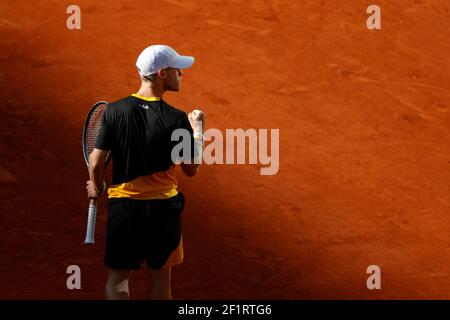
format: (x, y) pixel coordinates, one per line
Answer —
(197, 120)
(92, 191)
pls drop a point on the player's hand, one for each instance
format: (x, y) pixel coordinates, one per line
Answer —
(92, 191)
(197, 120)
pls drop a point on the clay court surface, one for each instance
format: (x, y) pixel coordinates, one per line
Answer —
(364, 145)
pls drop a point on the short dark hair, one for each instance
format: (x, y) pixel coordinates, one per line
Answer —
(150, 77)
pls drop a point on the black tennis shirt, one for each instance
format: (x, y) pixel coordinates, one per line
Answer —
(138, 132)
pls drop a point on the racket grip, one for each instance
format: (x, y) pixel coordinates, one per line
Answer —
(92, 215)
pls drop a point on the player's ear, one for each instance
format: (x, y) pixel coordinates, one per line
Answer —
(162, 73)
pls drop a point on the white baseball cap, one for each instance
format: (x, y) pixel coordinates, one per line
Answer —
(157, 57)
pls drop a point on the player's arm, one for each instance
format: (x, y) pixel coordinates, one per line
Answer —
(94, 186)
(197, 122)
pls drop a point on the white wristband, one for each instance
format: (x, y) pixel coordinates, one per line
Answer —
(198, 135)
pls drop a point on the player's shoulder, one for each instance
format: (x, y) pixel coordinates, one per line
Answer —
(174, 117)
(118, 109)
(119, 104)
(173, 113)
(173, 110)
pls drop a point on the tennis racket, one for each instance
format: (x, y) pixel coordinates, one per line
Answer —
(90, 132)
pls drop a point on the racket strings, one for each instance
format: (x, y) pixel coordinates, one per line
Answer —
(93, 128)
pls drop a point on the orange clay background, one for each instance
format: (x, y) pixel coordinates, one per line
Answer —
(364, 145)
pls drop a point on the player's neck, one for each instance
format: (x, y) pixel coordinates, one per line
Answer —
(149, 90)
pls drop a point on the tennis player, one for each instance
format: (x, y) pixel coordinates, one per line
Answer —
(144, 204)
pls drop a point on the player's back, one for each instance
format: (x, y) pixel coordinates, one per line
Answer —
(138, 132)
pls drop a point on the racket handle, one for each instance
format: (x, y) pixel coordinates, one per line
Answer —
(92, 215)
